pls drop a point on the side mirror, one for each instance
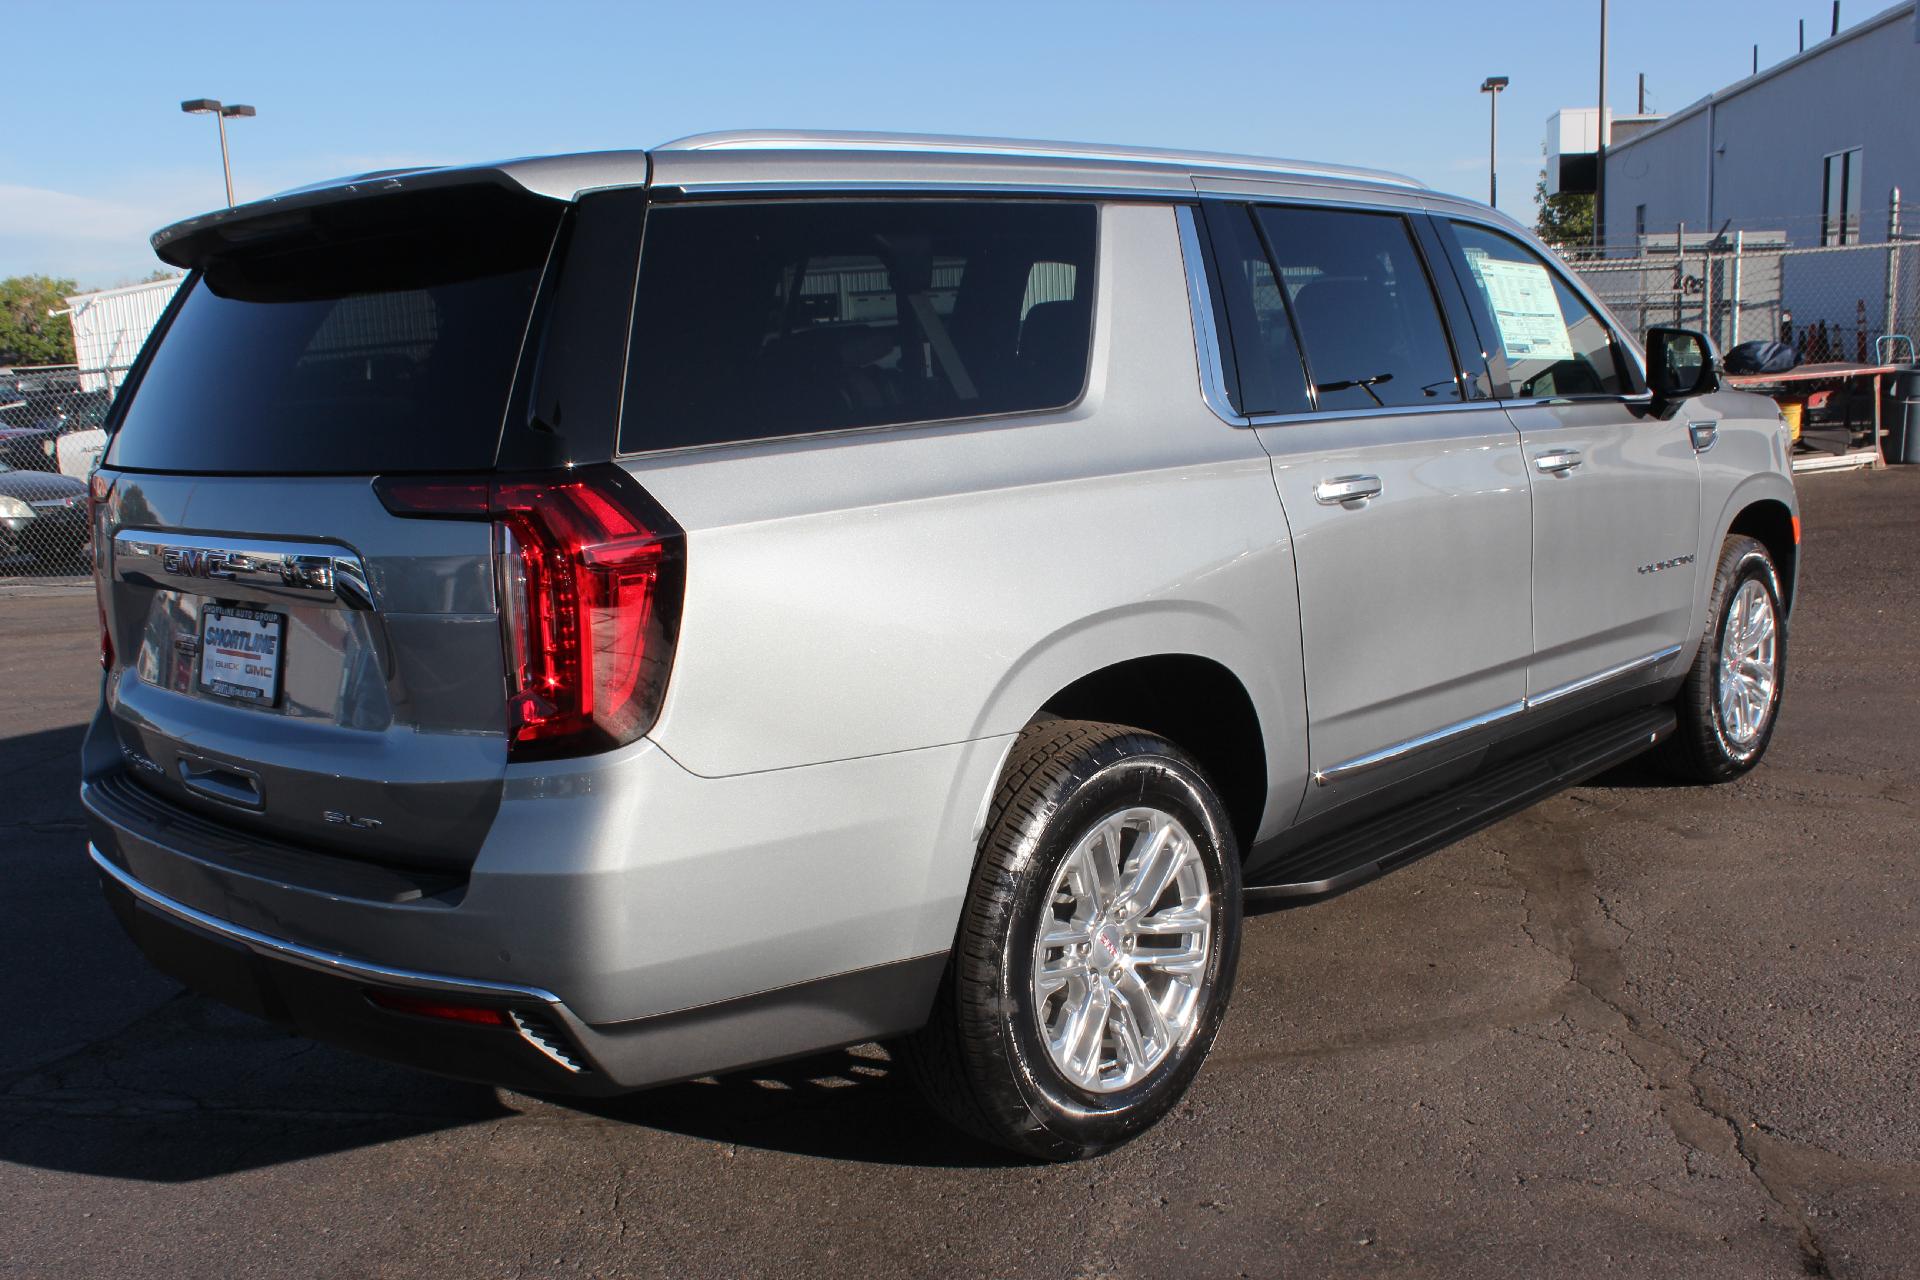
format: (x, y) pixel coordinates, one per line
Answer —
(1680, 364)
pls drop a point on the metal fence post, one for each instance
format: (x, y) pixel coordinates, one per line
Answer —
(1893, 262)
(1733, 314)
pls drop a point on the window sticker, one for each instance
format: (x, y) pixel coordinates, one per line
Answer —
(1524, 307)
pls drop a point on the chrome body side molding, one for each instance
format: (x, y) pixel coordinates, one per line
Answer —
(1448, 733)
(1599, 678)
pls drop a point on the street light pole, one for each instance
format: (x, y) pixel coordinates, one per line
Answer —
(1492, 86)
(219, 111)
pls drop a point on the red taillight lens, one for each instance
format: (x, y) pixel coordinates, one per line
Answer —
(99, 489)
(422, 1007)
(591, 577)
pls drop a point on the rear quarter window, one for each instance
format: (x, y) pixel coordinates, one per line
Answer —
(756, 320)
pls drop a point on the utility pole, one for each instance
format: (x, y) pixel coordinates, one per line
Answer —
(1600, 156)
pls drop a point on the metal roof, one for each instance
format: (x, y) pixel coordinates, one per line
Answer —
(781, 159)
(943, 144)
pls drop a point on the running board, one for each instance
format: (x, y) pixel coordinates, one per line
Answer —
(1352, 857)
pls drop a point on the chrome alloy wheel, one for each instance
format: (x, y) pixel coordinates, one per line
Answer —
(1122, 950)
(1749, 665)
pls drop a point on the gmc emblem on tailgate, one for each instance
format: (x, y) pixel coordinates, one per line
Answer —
(195, 562)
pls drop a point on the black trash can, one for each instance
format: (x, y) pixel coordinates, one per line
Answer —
(1900, 412)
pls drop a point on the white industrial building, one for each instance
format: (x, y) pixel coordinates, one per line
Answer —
(110, 327)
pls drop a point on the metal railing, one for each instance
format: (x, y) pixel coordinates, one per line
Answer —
(51, 438)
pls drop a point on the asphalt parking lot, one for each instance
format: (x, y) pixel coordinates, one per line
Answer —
(1642, 1030)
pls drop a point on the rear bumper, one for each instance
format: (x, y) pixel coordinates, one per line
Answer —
(539, 1045)
(331, 998)
(666, 926)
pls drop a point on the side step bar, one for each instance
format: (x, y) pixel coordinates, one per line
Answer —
(1351, 858)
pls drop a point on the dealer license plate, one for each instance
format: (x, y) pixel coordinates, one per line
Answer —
(240, 654)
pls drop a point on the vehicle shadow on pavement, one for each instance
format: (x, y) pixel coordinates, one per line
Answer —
(108, 1068)
(850, 1104)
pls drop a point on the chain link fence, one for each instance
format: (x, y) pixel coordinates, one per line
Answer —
(1856, 303)
(51, 437)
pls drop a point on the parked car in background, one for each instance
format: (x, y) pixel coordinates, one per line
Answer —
(53, 430)
(586, 622)
(43, 521)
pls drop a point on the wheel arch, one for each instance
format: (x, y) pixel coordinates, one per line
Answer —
(1195, 702)
(1773, 524)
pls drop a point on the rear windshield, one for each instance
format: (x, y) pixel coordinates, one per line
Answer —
(376, 335)
(774, 319)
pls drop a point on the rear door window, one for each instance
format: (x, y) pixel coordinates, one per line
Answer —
(1365, 308)
(1265, 353)
(1553, 343)
(756, 320)
(376, 335)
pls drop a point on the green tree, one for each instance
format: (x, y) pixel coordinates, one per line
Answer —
(28, 335)
(1565, 219)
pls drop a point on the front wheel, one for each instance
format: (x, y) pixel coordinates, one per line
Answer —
(1731, 697)
(1097, 948)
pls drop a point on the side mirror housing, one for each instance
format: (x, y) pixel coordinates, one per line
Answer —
(1680, 364)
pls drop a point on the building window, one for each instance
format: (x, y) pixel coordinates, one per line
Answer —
(1639, 222)
(1840, 198)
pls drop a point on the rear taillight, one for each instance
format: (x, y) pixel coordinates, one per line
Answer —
(591, 574)
(99, 489)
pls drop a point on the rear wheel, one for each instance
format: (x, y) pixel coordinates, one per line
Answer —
(1091, 970)
(1731, 697)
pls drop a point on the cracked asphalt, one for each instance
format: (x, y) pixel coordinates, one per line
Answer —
(1642, 1029)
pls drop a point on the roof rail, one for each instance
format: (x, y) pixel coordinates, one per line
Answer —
(852, 140)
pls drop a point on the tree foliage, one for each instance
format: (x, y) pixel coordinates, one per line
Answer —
(28, 335)
(1565, 219)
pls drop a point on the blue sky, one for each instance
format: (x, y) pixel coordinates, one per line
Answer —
(103, 154)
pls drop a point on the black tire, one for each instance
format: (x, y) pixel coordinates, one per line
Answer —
(981, 1060)
(1702, 749)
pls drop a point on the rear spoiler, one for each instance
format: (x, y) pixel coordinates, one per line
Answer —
(191, 242)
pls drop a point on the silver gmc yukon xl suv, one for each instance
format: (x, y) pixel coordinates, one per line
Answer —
(586, 622)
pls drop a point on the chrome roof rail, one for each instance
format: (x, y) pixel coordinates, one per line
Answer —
(850, 140)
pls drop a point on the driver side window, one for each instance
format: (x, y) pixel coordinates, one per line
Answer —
(1554, 344)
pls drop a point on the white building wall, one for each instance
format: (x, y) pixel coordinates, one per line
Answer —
(111, 326)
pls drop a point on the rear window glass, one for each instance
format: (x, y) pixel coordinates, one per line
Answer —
(379, 335)
(759, 320)
(1367, 315)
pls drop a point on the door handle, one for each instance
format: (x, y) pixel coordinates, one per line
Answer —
(1704, 434)
(1556, 461)
(1341, 489)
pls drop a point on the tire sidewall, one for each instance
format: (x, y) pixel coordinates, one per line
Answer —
(1076, 1116)
(1751, 564)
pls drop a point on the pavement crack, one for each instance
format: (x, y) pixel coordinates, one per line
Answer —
(1556, 888)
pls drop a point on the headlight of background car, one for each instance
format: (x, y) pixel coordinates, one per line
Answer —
(14, 513)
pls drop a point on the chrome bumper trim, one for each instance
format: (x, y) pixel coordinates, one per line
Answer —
(309, 957)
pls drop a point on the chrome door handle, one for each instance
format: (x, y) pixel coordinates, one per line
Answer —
(1557, 461)
(1339, 489)
(1703, 434)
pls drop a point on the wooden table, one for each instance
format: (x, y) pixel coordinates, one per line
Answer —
(1829, 371)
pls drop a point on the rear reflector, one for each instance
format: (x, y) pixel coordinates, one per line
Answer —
(425, 1007)
(591, 573)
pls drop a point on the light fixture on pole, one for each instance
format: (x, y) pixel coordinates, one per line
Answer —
(219, 111)
(1492, 86)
